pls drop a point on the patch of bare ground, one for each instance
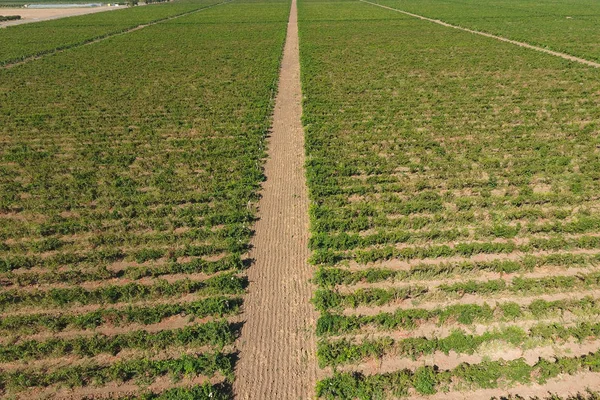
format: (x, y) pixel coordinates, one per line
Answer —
(23, 216)
(277, 345)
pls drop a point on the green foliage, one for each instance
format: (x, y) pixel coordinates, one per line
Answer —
(33, 323)
(515, 21)
(111, 294)
(446, 167)
(464, 314)
(218, 333)
(206, 391)
(328, 299)
(330, 277)
(343, 351)
(121, 371)
(9, 18)
(79, 30)
(427, 380)
(424, 380)
(130, 169)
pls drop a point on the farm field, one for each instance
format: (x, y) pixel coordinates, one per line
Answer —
(115, 284)
(454, 209)
(570, 27)
(173, 175)
(25, 41)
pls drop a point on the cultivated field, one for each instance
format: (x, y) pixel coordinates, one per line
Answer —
(158, 231)
(18, 43)
(128, 176)
(454, 187)
(566, 26)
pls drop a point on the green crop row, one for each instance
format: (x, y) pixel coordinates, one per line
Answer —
(131, 240)
(220, 284)
(345, 241)
(330, 277)
(344, 351)
(74, 276)
(218, 333)
(335, 216)
(141, 370)
(328, 299)
(205, 391)
(110, 254)
(187, 210)
(429, 380)
(465, 249)
(464, 314)
(325, 299)
(146, 315)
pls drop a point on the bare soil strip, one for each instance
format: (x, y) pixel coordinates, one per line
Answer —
(489, 35)
(104, 37)
(277, 344)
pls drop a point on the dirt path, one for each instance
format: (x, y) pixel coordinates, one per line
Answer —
(277, 344)
(29, 15)
(489, 35)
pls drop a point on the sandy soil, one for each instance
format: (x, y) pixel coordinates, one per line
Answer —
(277, 344)
(43, 14)
(502, 39)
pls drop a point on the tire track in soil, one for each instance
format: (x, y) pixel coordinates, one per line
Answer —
(277, 344)
(489, 35)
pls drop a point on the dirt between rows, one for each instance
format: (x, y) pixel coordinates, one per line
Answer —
(29, 15)
(277, 345)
